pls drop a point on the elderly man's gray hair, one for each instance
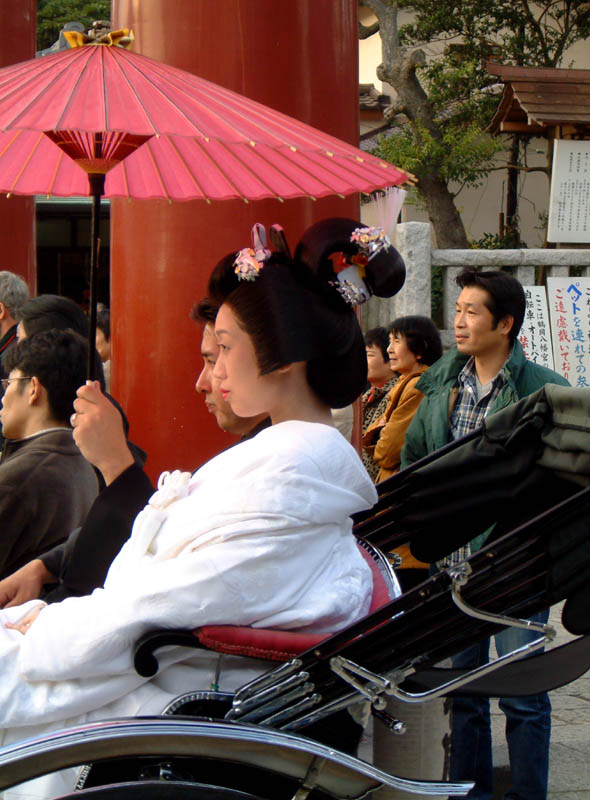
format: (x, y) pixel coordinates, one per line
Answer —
(14, 292)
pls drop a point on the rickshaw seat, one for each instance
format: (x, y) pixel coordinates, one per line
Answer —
(278, 645)
(265, 643)
(241, 640)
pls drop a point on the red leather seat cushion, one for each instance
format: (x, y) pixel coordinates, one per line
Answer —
(276, 645)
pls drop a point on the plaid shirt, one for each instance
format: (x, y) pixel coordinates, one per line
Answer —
(468, 414)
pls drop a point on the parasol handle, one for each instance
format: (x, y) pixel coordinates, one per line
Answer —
(96, 182)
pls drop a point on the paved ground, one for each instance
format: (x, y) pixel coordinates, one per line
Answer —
(569, 770)
(569, 766)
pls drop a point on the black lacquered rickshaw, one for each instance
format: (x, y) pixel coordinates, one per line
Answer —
(527, 470)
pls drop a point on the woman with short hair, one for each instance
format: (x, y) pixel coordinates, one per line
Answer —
(414, 344)
(382, 379)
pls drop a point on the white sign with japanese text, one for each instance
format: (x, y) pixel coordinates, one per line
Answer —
(569, 308)
(569, 201)
(535, 333)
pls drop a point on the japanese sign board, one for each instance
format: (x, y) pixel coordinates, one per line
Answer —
(535, 333)
(569, 201)
(569, 309)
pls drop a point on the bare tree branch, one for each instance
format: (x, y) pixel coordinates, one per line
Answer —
(365, 31)
(536, 27)
(520, 167)
(459, 190)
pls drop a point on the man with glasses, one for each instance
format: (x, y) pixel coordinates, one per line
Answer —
(46, 485)
(78, 565)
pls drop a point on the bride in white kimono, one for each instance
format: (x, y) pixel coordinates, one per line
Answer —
(260, 535)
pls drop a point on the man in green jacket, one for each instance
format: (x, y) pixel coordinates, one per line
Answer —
(440, 384)
(486, 371)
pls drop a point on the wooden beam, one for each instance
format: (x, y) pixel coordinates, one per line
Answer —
(521, 127)
(576, 130)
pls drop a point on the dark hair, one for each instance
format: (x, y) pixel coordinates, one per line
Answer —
(384, 273)
(378, 337)
(103, 321)
(50, 311)
(53, 312)
(505, 296)
(421, 335)
(293, 313)
(204, 311)
(58, 359)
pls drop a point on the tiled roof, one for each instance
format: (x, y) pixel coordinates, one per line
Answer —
(371, 100)
(538, 98)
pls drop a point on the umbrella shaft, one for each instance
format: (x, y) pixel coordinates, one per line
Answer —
(96, 182)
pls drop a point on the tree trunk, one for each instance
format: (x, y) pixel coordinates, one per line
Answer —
(512, 190)
(446, 221)
(438, 199)
(398, 68)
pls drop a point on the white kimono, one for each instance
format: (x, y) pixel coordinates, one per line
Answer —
(260, 536)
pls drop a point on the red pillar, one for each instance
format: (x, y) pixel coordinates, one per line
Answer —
(17, 214)
(299, 57)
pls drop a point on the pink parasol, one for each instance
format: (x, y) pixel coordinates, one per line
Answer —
(155, 131)
(183, 168)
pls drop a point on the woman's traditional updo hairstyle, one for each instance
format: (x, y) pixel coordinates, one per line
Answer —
(293, 311)
(385, 271)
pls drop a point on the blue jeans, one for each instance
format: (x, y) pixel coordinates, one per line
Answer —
(528, 728)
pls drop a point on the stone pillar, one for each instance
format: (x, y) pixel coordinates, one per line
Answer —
(297, 57)
(413, 242)
(17, 214)
(526, 275)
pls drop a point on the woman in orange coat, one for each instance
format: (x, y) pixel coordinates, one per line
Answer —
(414, 344)
(382, 380)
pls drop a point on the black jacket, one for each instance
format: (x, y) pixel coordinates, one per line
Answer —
(81, 563)
(46, 489)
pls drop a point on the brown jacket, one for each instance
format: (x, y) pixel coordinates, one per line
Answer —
(385, 438)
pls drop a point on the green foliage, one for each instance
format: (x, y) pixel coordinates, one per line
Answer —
(493, 241)
(453, 85)
(527, 33)
(463, 153)
(449, 140)
(53, 14)
(436, 296)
